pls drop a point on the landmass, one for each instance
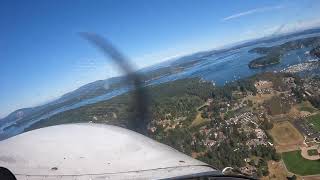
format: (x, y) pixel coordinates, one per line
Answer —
(315, 52)
(272, 55)
(240, 124)
(265, 126)
(264, 61)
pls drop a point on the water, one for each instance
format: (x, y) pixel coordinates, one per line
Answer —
(233, 65)
(219, 68)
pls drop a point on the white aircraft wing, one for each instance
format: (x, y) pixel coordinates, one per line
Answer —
(92, 151)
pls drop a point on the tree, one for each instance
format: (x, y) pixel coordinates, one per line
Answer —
(276, 157)
(294, 177)
(266, 125)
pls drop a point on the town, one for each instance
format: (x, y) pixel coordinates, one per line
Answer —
(270, 117)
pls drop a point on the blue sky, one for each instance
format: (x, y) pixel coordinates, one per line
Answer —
(42, 56)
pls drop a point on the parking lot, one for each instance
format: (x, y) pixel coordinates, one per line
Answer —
(305, 128)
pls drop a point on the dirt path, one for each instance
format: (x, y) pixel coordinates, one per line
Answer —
(312, 177)
(277, 170)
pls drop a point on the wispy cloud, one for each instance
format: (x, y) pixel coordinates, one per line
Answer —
(252, 11)
(291, 27)
(278, 29)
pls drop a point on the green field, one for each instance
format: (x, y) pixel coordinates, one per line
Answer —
(308, 109)
(306, 106)
(315, 120)
(295, 163)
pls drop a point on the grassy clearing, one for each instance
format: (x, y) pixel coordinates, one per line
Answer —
(198, 121)
(315, 120)
(306, 106)
(308, 109)
(295, 163)
(276, 171)
(259, 99)
(277, 106)
(284, 133)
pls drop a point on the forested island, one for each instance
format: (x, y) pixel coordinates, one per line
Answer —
(272, 55)
(264, 61)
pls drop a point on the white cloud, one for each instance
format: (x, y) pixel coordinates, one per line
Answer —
(252, 11)
(301, 25)
(255, 32)
(292, 27)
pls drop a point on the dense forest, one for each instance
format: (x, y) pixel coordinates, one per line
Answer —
(180, 102)
(177, 98)
(170, 100)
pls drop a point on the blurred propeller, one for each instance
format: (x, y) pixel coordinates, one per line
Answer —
(140, 120)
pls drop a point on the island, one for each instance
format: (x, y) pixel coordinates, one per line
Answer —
(272, 55)
(264, 61)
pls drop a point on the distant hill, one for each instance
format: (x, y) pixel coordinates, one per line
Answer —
(87, 91)
(278, 37)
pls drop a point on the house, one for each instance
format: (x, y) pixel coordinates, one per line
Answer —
(260, 133)
(248, 170)
(210, 143)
